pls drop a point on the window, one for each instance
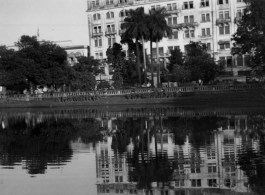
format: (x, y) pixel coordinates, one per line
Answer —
(172, 6)
(196, 183)
(239, 13)
(97, 29)
(192, 33)
(172, 20)
(228, 139)
(171, 48)
(225, 45)
(222, 2)
(95, 3)
(109, 2)
(99, 55)
(212, 168)
(179, 182)
(123, 1)
(118, 179)
(111, 28)
(188, 5)
(229, 61)
(110, 15)
(227, 15)
(221, 15)
(206, 32)
(96, 17)
(212, 183)
(124, 13)
(205, 17)
(194, 169)
(227, 29)
(111, 41)
(174, 35)
(189, 34)
(205, 3)
(153, 7)
(238, 1)
(224, 30)
(208, 45)
(189, 19)
(161, 51)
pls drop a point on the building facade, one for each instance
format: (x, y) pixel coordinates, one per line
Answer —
(212, 22)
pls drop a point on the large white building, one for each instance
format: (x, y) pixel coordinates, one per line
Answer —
(210, 21)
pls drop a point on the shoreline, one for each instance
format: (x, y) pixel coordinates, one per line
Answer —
(250, 98)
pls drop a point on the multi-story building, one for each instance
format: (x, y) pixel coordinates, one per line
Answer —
(212, 22)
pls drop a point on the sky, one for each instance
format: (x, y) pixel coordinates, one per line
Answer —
(57, 20)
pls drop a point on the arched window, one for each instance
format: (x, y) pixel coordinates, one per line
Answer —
(124, 13)
(110, 15)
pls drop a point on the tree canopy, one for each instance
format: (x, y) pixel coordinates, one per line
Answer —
(39, 63)
(197, 64)
(249, 37)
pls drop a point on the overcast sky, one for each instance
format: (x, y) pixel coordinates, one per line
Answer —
(57, 20)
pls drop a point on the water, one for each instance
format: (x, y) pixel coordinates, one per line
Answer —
(161, 151)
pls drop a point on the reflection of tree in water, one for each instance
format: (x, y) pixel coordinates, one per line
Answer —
(198, 129)
(40, 144)
(127, 128)
(143, 169)
(252, 162)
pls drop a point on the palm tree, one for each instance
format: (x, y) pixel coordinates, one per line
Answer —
(158, 28)
(135, 28)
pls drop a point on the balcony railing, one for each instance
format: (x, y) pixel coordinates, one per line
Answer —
(205, 36)
(173, 11)
(110, 32)
(184, 25)
(97, 34)
(223, 21)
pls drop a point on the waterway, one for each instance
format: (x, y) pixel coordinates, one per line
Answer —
(138, 150)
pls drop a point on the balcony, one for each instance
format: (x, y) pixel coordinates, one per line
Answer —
(173, 11)
(184, 25)
(111, 5)
(97, 34)
(205, 36)
(223, 21)
(121, 31)
(110, 32)
(237, 19)
(91, 7)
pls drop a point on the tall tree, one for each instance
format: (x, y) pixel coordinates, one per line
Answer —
(135, 28)
(249, 37)
(158, 28)
(200, 63)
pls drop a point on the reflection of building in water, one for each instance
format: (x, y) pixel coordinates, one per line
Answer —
(208, 169)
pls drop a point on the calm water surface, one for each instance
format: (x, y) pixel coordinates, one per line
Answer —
(148, 151)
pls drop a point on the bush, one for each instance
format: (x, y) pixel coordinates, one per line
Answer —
(103, 85)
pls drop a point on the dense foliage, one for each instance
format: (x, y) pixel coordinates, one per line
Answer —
(41, 63)
(196, 64)
(249, 37)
